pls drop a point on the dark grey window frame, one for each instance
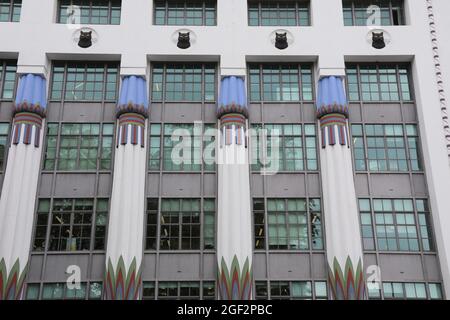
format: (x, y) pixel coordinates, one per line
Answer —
(91, 6)
(297, 3)
(185, 2)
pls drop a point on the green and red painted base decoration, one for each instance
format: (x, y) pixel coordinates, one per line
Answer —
(120, 283)
(348, 284)
(11, 283)
(235, 283)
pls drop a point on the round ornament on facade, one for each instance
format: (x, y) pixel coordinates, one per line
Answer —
(378, 38)
(85, 37)
(184, 38)
(281, 39)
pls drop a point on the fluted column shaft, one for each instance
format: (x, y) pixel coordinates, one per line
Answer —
(234, 228)
(343, 237)
(126, 218)
(17, 201)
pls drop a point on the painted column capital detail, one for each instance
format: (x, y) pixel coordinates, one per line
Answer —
(133, 96)
(31, 95)
(232, 98)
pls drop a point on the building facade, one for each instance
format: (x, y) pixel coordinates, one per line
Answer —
(159, 149)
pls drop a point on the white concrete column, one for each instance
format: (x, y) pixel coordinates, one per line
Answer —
(18, 197)
(343, 237)
(234, 226)
(126, 218)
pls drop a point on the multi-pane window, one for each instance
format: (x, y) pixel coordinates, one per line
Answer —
(178, 290)
(282, 13)
(362, 12)
(291, 290)
(7, 79)
(293, 224)
(186, 147)
(79, 146)
(60, 291)
(184, 82)
(280, 82)
(386, 147)
(396, 225)
(10, 10)
(182, 290)
(72, 223)
(89, 11)
(284, 147)
(180, 224)
(407, 291)
(80, 81)
(377, 82)
(187, 13)
(4, 131)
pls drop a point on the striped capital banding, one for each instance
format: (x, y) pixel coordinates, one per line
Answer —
(233, 124)
(131, 129)
(24, 123)
(333, 125)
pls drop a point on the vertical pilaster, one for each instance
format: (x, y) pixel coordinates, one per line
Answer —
(234, 229)
(343, 238)
(126, 218)
(18, 197)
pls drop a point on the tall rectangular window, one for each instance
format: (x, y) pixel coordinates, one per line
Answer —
(280, 82)
(291, 146)
(293, 224)
(89, 11)
(72, 224)
(184, 82)
(278, 13)
(185, 13)
(80, 81)
(7, 79)
(79, 146)
(378, 83)
(386, 147)
(10, 10)
(360, 12)
(180, 224)
(185, 147)
(4, 131)
(396, 225)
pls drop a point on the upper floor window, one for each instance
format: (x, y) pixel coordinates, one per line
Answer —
(182, 147)
(79, 146)
(79, 81)
(4, 132)
(293, 224)
(185, 290)
(181, 224)
(89, 11)
(363, 12)
(75, 224)
(281, 82)
(284, 147)
(378, 83)
(386, 147)
(278, 13)
(187, 13)
(10, 10)
(184, 82)
(7, 79)
(399, 225)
